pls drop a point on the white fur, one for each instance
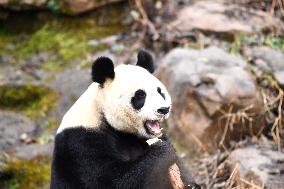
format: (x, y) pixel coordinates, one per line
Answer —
(118, 93)
(114, 102)
(152, 141)
(85, 111)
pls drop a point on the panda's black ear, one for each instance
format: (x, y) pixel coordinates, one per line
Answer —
(145, 60)
(102, 69)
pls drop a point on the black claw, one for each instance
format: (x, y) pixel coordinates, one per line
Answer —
(193, 186)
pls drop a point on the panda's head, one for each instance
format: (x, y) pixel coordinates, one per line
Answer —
(132, 99)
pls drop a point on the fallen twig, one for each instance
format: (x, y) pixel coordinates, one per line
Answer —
(146, 21)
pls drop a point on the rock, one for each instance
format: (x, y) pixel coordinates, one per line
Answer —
(22, 4)
(224, 17)
(71, 84)
(68, 6)
(12, 126)
(214, 97)
(13, 75)
(33, 150)
(268, 60)
(279, 75)
(80, 6)
(261, 164)
(6, 59)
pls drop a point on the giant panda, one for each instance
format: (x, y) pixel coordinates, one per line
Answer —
(101, 141)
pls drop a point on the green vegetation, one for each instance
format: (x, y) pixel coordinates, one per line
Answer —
(66, 45)
(23, 174)
(64, 39)
(33, 100)
(54, 5)
(274, 42)
(62, 46)
(238, 43)
(241, 40)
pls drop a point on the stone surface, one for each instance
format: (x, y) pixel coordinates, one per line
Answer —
(71, 84)
(67, 6)
(263, 165)
(33, 150)
(22, 3)
(268, 60)
(224, 17)
(80, 6)
(12, 126)
(10, 74)
(211, 90)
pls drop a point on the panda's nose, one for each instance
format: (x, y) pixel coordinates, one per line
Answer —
(163, 110)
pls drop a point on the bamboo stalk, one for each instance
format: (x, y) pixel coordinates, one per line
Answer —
(175, 177)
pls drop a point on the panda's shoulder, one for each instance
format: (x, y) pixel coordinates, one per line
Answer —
(81, 138)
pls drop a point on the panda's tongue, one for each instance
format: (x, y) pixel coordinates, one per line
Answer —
(153, 127)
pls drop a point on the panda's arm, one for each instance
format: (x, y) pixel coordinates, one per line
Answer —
(186, 176)
(95, 160)
(148, 171)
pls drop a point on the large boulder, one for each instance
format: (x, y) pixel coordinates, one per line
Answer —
(268, 60)
(214, 97)
(80, 6)
(224, 17)
(260, 164)
(22, 3)
(72, 7)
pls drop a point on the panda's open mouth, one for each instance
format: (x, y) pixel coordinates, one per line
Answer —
(153, 127)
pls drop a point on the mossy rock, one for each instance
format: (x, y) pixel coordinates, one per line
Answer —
(26, 174)
(65, 40)
(33, 100)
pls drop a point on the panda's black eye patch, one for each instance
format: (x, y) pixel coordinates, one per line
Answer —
(138, 99)
(160, 92)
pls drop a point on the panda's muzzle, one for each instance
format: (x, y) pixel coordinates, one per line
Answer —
(153, 127)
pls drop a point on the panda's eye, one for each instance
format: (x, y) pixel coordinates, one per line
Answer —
(140, 94)
(138, 99)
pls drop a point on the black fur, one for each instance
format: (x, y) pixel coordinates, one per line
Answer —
(107, 159)
(160, 92)
(138, 100)
(145, 60)
(102, 69)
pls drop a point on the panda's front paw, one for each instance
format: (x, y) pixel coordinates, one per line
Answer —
(164, 152)
(193, 186)
(164, 138)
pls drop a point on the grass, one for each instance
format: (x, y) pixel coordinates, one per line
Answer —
(35, 101)
(65, 45)
(64, 39)
(241, 40)
(26, 174)
(62, 46)
(274, 42)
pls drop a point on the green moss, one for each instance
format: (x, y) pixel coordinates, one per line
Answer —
(64, 45)
(52, 124)
(26, 174)
(33, 100)
(64, 39)
(54, 5)
(274, 42)
(241, 40)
